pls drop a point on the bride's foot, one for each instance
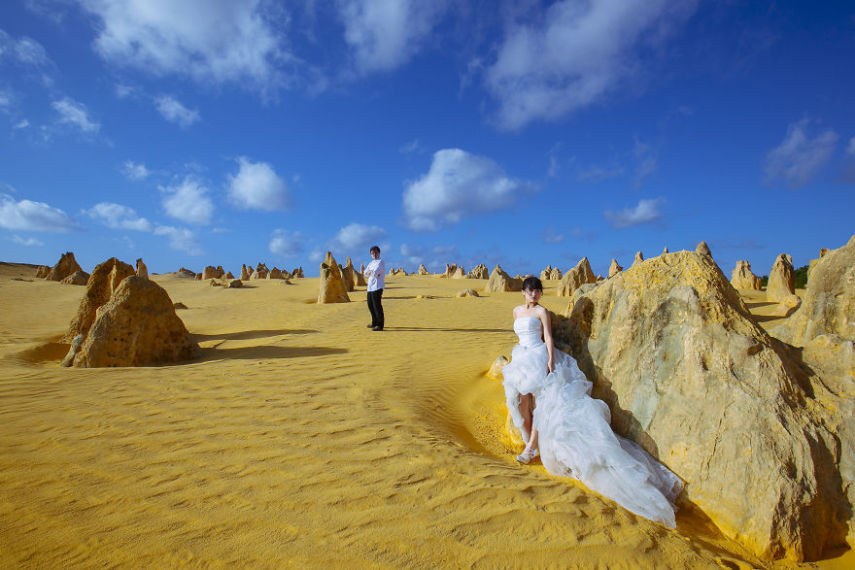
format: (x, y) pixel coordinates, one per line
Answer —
(527, 455)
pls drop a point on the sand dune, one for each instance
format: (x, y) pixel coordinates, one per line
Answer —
(298, 437)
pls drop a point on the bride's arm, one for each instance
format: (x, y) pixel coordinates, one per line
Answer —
(547, 339)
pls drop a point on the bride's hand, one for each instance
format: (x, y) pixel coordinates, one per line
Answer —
(550, 367)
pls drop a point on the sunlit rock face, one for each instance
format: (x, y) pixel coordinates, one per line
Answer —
(689, 375)
(743, 278)
(575, 278)
(67, 265)
(104, 280)
(781, 279)
(501, 281)
(332, 287)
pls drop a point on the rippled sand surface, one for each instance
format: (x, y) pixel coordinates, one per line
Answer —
(299, 437)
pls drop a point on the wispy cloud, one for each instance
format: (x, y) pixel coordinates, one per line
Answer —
(385, 35)
(256, 186)
(74, 113)
(180, 239)
(799, 157)
(646, 212)
(574, 54)
(188, 202)
(27, 242)
(117, 216)
(285, 243)
(175, 112)
(135, 171)
(33, 216)
(458, 184)
(357, 237)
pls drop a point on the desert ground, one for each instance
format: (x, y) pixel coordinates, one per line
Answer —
(299, 437)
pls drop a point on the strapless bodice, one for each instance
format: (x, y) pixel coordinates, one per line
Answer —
(528, 330)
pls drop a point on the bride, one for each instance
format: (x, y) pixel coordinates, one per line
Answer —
(549, 402)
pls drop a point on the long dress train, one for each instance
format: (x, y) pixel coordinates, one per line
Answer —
(575, 438)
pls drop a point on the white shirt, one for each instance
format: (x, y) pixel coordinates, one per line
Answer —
(375, 275)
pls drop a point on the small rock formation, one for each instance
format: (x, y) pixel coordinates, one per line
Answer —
(244, 273)
(614, 268)
(495, 371)
(501, 281)
(459, 273)
(228, 275)
(198, 276)
(260, 272)
(360, 277)
(467, 293)
(555, 274)
(275, 273)
(234, 284)
(689, 375)
(76, 278)
(211, 272)
(63, 268)
(136, 327)
(787, 306)
(332, 287)
(105, 279)
(142, 270)
(480, 271)
(781, 279)
(179, 305)
(743, 278)
(575, 278)
(348, 274)
(665, 249)
(544, 275)
(297, 273)
(185, 273)
(422, 270)
(42, 271)
(72, 352)
(639, 257)
(811, 264)
(702, 249)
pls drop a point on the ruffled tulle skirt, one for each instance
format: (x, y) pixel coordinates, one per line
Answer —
(575, 438)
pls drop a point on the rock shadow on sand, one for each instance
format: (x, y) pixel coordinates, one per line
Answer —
(250, 335)
(266, 352)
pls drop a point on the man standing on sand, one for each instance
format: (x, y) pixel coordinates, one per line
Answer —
(375, 277)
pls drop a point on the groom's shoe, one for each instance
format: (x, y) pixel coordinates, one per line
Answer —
(377, 328)
(371, 326)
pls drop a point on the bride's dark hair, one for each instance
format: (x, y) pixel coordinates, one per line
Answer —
(532, 284)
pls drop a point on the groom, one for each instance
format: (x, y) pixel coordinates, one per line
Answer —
(375, 276)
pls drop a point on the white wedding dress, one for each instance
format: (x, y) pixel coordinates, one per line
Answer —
(574, 436)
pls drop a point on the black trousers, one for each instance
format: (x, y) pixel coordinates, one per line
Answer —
(375, 305)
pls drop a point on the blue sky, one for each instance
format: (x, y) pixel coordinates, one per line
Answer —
(221, 132)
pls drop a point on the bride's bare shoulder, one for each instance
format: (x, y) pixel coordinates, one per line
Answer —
(517, 310)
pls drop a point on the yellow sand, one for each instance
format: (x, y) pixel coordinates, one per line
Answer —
(298, 438)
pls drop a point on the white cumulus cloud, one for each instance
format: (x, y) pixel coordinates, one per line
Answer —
(385, 35)
(647, 211)
(574, 54)
(285, 243)
(181, 239)
(188, 202)
(207, 40)
(117, 216)
(353, 237)
(135, 171)
(175, 112)
(34, 216)
(799, 157)
(458, 184)
(73, 113)
(256, 186)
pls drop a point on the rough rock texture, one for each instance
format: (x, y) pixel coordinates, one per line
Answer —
(136, 327)
(639, 257)
(63, 268)
(614, 268)
(743, 278)
(76, 278)
(467, 293)
(348, 274)
(260, 272)
(332, 288)
(544, 275)
(105, 279)
(297, 273)
(76, 342)
(501, 281)
(360, 277)
(422, 270)
(141, 269)
(828, 307)
(689, 375)
(42, 271)
(555, 274)
(576, 277)
(781, 279)
(701, 249)
(186, 273)
(275, 273)
(244, 273)
(787, 306)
